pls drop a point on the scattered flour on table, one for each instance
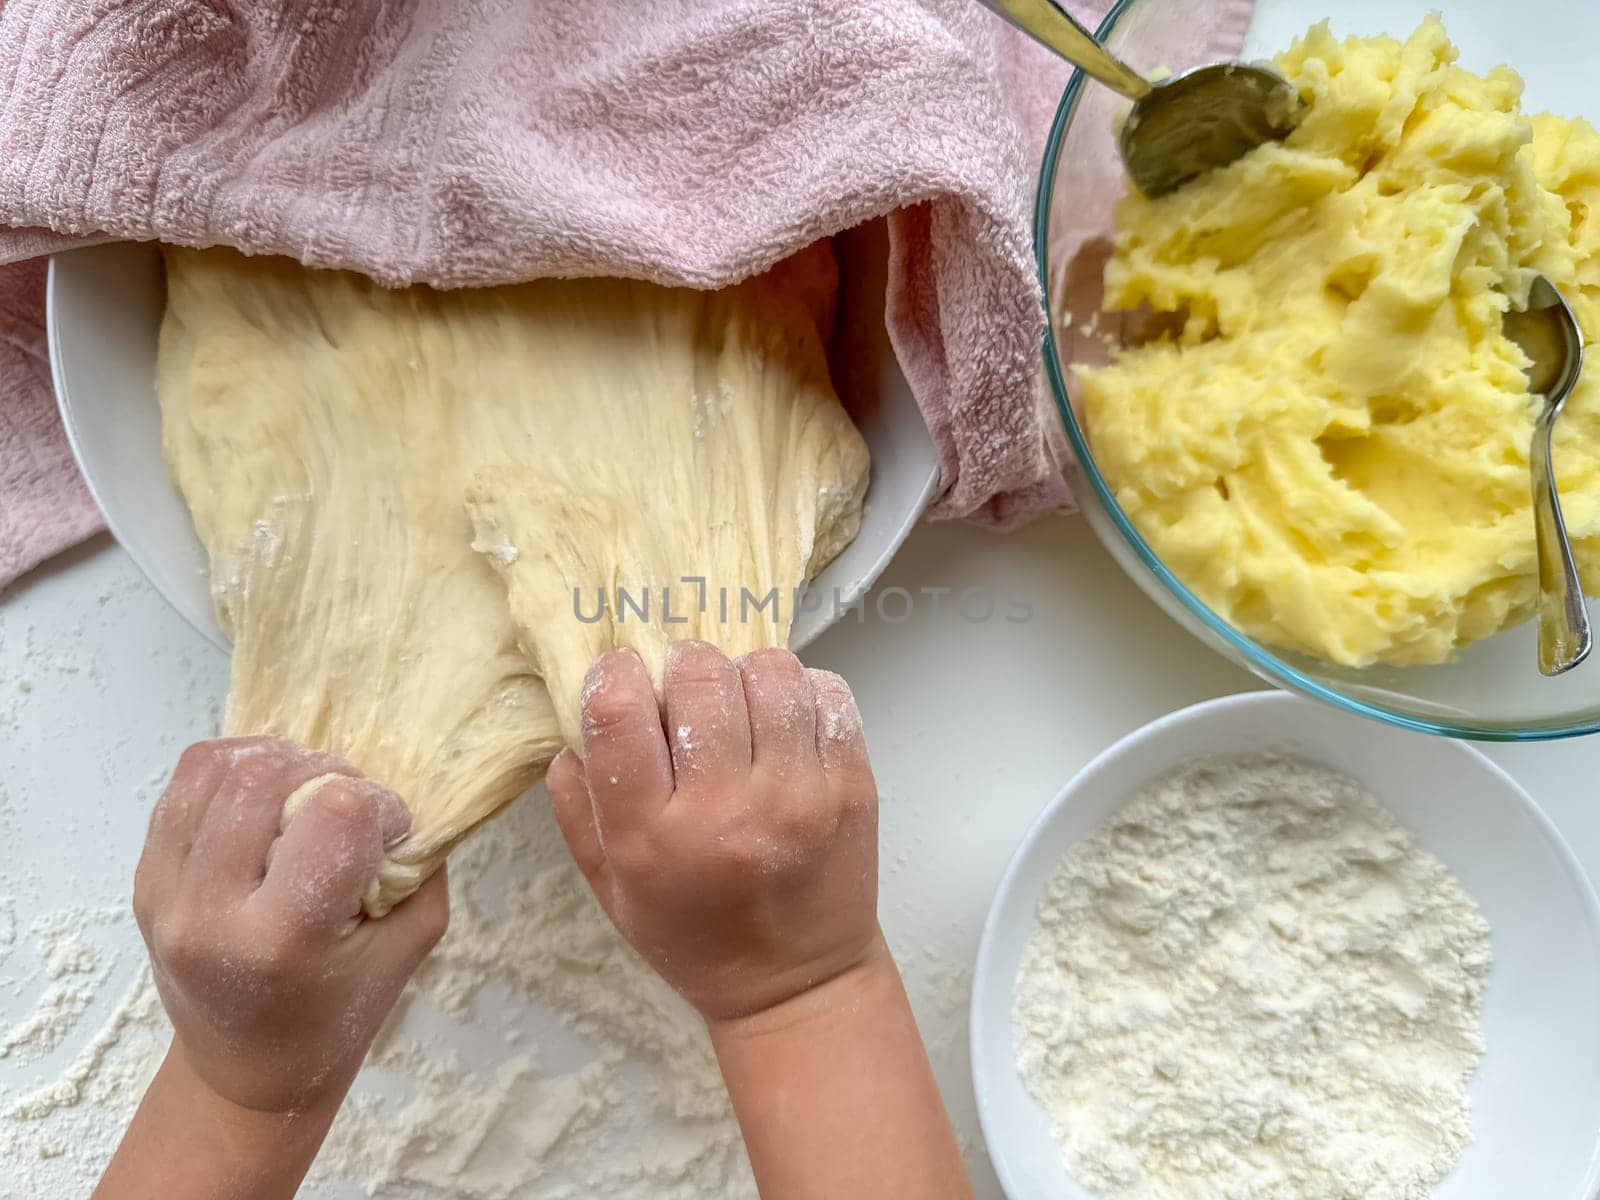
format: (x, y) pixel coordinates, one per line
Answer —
(627, 1103)
(88, 984)
(1251, 982)
(630, 1106)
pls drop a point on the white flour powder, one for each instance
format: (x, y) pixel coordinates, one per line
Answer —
(629, 1105)
(1251, 983)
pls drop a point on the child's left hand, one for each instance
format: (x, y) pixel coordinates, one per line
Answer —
(275, 983)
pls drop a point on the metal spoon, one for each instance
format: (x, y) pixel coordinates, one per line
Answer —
(1548, 334)
(1181, 127)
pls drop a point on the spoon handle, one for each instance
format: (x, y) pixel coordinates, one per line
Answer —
(1052, 26)
(1564, 635)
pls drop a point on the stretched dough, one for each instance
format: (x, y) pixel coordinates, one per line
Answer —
(343, 448)
(687, 501)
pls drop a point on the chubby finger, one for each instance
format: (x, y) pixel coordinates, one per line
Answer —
(246, 815)
(625, 756)
(783, 715)
(330, 851)
(841, 743)
(175, 820)
(708, 726)
(574, 812)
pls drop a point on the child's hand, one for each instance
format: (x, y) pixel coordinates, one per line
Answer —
(274, 982)
(736, 849)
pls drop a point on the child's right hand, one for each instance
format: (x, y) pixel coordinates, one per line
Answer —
(736, 848)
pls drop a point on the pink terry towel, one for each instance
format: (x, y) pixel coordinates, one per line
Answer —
(476, 142)
(44, 507)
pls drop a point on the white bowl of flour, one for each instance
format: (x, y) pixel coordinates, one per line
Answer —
(1218, 970)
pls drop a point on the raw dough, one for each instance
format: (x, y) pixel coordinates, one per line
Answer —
(327, 434)
(745, 477)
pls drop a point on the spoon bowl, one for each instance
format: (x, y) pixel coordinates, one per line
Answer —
(1203, 119)
(1179, 127)
(1547, 332)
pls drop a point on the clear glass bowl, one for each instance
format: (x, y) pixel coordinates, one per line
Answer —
(1492, 690)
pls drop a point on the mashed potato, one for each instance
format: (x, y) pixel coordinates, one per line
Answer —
(1331, 445)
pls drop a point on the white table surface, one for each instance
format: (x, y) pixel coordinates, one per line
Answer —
(973, 727)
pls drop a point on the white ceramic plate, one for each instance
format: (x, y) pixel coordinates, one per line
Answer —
(1536, 1096)
(104, 310)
